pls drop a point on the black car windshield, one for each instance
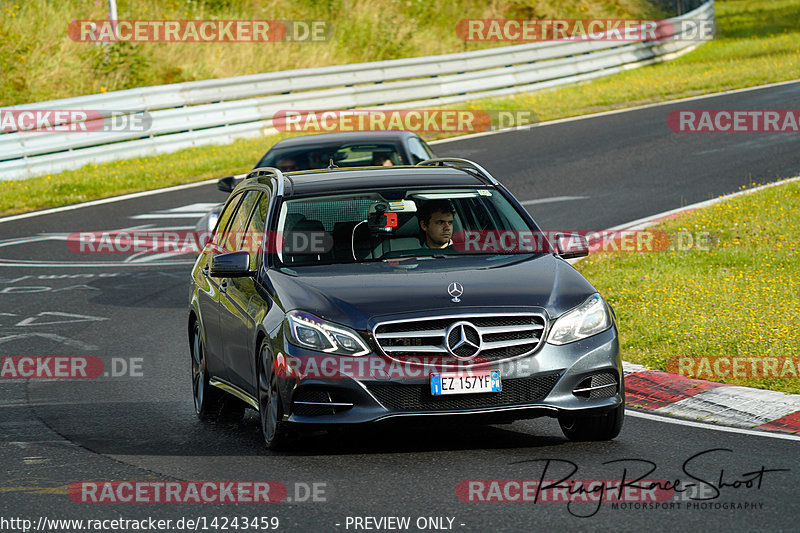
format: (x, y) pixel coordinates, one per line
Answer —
(342, 155)
(394, 224)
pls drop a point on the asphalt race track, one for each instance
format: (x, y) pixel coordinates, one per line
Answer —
(135, 421)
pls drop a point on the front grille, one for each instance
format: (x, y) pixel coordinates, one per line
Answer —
(597, 386)
(399, 397)
(503, 336)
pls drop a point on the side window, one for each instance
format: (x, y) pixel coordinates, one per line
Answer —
(255, 232)
(419, 152)
(235, 234)
(224, 219)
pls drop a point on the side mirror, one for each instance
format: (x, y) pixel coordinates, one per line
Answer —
(231, 265)
(571, 246)
(227, 184)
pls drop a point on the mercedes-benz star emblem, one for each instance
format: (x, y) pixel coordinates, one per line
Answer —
(463, 340)
(455, 290)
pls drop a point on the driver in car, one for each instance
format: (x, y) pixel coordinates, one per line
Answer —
(286, 164)
(436, 222)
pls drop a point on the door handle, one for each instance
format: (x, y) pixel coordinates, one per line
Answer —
(205, 270)
(223, 287)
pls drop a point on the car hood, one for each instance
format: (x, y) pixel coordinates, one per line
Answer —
(360, 294)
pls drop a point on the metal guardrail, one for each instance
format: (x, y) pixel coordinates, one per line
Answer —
(221, 110)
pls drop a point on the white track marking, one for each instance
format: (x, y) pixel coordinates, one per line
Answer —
(111, 200)
(652, 219)
(68, 318)
(12, 263)
(631, 368)
(701, 425)
(199, 207)
(735, 406)
(553, 199)
(646, 222)
(51, 336)
(614, 112)
(130, 261)
(440, 141)
(197, 210)
(168, 215)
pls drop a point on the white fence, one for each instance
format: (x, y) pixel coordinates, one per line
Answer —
(221, 110)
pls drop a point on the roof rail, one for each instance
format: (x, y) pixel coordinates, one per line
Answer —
(268, 171)
(457, 162)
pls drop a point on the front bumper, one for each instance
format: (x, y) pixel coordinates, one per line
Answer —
(554, 380)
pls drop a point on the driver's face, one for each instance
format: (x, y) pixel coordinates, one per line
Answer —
(287, 165)
(439, 230)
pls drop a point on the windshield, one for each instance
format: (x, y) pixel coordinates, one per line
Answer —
(342, 155)
(394, 224)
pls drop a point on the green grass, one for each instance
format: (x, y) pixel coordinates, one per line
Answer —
(758, 42)
(131, 175)
(35, 47)
(740, 298)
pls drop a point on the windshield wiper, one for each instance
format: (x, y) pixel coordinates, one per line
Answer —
(418, 257)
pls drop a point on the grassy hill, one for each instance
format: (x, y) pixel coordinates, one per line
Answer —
(39, 61)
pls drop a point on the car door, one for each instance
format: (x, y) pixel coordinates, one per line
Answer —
(208, 290)
(236, 320)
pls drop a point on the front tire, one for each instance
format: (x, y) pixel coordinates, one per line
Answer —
(270, 410)
(594, 427)
(210, 403)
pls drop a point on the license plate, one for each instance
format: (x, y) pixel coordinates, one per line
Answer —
(454, 383)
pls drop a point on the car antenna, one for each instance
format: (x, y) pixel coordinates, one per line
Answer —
(332, 164)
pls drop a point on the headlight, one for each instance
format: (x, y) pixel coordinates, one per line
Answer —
(589, 318)
(308, 331)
